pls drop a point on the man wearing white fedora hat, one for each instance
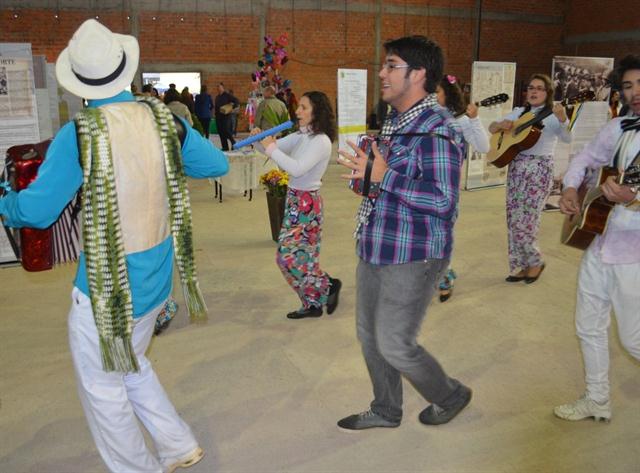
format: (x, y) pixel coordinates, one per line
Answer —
(129, 158)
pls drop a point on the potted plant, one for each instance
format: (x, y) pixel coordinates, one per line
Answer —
(275, 182)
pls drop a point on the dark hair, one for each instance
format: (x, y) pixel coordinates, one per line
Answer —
(323, 119)
(611, 94)
(185, 94)
(420, 53)
(147, 88)
(627, 63)
(548, 87)
(171, 95)
(203, 89)
(453, 96)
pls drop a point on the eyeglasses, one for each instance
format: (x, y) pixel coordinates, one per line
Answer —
(390, 66)
(539, 89)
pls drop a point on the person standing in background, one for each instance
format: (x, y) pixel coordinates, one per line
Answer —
(203, 108)
(223, 107)
(271, 111)
(187, 99)
(173, 100)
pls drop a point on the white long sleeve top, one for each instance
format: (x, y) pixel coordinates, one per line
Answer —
(304, 156)
(474, 133)
(552, 130)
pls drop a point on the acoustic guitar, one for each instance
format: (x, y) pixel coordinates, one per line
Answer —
(580, 229)
(489, 101)
(525, 132)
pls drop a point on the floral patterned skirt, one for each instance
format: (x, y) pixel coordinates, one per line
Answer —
(529, 183)
(299, 247)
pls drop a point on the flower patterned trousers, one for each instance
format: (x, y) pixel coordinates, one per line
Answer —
(529, 183)
(299, 247)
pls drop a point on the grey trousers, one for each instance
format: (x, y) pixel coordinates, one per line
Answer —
(391, 305)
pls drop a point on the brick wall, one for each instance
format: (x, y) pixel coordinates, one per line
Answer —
(589, 24)
(48, 35)
(586, 16)
(323, 40)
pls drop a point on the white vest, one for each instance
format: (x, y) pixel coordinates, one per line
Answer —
(139, 169)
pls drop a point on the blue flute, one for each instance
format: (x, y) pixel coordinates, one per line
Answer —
(263, 134)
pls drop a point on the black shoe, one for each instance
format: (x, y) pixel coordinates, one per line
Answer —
(312, 311)
(366, 420)
(445, 294)
(436, 415)
(334, 294)
(515, 278)
(530, 279)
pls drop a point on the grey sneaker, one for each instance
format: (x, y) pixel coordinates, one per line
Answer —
(583, 408)
(365, 420)
(436, 415)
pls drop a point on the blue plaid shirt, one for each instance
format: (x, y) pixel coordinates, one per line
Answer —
(414, 214)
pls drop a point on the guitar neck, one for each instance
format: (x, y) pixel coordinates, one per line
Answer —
(477, 104)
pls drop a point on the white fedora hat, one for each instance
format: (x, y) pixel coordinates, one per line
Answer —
(97, 63)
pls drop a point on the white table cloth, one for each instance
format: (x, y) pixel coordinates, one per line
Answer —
(245, 169)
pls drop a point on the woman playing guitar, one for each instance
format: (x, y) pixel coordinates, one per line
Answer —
(530, 178)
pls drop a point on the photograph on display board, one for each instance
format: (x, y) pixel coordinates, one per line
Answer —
(3, 81)
(572, 75)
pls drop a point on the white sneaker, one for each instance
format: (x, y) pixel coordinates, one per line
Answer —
(583, 408)
(169, 465)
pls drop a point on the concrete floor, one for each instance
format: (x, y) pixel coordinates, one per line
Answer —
(263, 393)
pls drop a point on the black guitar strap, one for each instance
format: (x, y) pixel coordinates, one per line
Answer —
(525, 110)
(616, 158)
(636, 161)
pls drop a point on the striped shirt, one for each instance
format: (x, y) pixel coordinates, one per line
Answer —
(414, 215)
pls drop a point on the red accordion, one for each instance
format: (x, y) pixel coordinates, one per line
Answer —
(40, 249)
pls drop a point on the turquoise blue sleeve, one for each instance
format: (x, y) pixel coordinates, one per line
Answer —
(59, 178)
(200, 158)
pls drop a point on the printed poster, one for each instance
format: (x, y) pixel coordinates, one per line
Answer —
(18, 108)
(352, 105)
(489, 79)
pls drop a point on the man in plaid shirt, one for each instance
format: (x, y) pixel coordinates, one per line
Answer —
(405, 237)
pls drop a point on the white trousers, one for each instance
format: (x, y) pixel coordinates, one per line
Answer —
(113, 401)
(602, 287)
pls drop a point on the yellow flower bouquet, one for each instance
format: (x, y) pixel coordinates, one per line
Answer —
(276, 182)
